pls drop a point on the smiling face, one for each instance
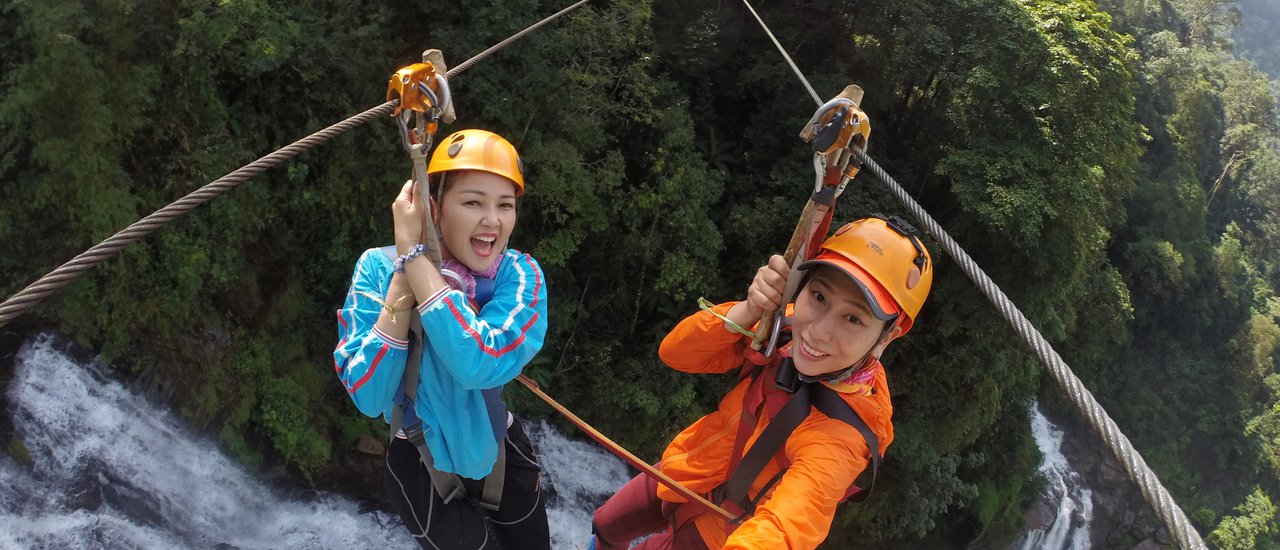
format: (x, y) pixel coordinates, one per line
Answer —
(832, 326)
(476, 216)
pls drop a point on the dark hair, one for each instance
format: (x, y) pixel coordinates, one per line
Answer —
(440, 184)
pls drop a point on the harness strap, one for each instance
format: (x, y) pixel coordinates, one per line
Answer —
(772, 440)
(780, 427)
(828, 402)
(752, 399)
(447, 485)
(491, 495)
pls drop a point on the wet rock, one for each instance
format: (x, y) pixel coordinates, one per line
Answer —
(548, 488)
(18, 450)
(85, 492)
(96, 486)
(1041, 516)
(1113, 474)
(1118, 506)
(136, 504)
(370, 446)
(1147, 545)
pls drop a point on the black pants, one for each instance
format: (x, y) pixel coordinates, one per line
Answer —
(519, 523)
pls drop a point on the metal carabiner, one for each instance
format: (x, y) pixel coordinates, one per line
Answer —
(772, 345)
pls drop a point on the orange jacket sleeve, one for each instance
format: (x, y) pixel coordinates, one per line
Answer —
(701, 343)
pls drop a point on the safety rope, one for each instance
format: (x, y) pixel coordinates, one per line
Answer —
(52, 281)
(1152, 489)
(624, 454)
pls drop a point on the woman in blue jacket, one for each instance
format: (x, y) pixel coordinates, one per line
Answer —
(461, 471)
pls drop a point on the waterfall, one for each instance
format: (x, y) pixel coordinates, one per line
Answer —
(1064, 494)
(111, 470)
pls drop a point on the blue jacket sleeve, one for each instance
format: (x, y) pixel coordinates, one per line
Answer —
(488, 349)
(369, 363)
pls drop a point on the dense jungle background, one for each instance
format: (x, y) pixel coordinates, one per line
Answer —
(1113, 166)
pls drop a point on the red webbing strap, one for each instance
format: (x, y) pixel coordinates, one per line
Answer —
(771, 440)
(749, 416)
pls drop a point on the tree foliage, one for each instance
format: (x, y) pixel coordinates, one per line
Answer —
(1113, 167)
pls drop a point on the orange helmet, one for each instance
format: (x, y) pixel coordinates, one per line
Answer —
(887, 261)
(478, 150)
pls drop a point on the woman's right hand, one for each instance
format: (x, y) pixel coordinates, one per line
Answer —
(406, 213)
(766, 288)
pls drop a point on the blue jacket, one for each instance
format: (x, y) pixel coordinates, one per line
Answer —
(467, 352)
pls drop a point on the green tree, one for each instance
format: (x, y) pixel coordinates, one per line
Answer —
(1256, 526)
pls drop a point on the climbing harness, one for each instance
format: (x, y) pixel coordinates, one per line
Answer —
(405, 423)
(787, 408)
(1138, 470)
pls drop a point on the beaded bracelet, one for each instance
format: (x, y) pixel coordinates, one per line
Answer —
(414, 252)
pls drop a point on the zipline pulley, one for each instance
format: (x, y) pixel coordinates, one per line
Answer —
(423, 91)
(834, 130)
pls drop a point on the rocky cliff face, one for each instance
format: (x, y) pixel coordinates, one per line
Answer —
(1121, 516)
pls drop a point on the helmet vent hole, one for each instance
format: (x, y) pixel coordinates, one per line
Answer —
(455, 148)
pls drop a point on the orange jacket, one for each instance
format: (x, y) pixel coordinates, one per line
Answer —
(826, 454)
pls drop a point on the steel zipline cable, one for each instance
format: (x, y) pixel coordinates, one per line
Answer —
(1138, 470)
(63, 274)
(1155, 493)
(1152, 489)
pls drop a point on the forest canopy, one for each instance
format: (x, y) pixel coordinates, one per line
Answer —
(1113, 166)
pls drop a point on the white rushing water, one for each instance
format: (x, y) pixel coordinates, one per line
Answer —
(1064, 493)
(111, 470)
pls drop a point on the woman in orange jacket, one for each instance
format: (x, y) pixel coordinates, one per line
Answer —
(862, 290)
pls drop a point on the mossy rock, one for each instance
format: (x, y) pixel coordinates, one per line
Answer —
(18, 450)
